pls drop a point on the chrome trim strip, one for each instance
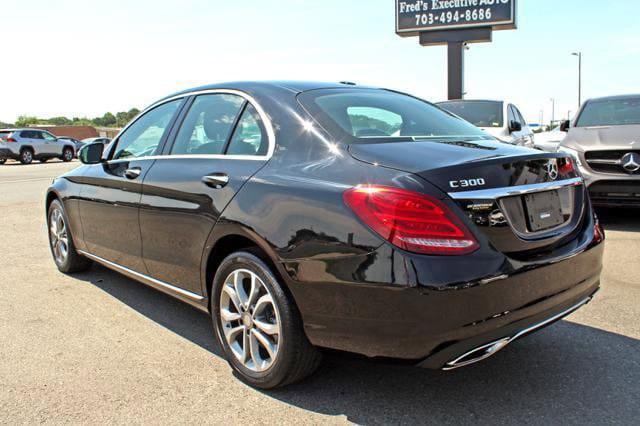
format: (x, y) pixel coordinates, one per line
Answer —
(261, 112)
(145, 279)
(612, 162)
(510, 191)
(492, 348)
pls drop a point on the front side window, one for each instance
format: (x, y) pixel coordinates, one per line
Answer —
(478, 113)
(48, 136)
(610, 112)
(361, 115)
(249, 137)
(208, 125)
(142, 138)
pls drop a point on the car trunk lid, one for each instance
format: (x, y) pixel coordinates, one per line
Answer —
(522, 200)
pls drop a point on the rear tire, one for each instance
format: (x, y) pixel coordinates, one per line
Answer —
(270, 348)
(2, 161)
(61, 244)
(67, 155)
(26, 156)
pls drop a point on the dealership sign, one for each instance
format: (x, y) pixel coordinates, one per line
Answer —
(416, 16)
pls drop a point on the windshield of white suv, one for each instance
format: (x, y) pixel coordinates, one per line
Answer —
(360, 115)
(478, 113)
(610, 112)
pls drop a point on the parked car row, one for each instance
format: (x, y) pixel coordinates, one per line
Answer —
(26, 145)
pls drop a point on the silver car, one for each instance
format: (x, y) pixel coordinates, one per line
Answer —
(26, 145)
(604, 139)
(500, 119)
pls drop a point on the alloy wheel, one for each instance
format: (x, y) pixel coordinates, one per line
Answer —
(68, 155)
(27, 156)
(250, 320)
(59, 236)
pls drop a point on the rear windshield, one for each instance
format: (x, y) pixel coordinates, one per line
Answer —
(478, 113)
(610, 112)
(358, 115)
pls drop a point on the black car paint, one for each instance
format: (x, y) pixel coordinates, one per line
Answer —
(355, 292)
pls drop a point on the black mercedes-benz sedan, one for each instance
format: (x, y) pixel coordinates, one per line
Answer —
(303, 216)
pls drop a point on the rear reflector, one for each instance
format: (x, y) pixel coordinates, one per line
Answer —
(411, 221)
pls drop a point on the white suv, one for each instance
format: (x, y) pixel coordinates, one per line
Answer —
(26, 145)
(500, 119)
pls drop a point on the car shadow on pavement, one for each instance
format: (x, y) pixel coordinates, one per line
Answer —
(567, 373)
(619, 219)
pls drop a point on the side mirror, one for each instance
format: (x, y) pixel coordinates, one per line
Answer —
(564, 126)
(91, 153)
(515, 126)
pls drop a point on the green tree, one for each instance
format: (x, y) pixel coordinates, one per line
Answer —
(59, 121)
(26, 120)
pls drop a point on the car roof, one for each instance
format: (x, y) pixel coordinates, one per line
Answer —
(290, 86)
(615, 98)
(472, 100)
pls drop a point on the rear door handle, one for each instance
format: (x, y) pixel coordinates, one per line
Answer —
(216, 180)
(132, 173)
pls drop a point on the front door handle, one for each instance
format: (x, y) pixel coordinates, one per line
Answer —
(132, 173)
(216, 180)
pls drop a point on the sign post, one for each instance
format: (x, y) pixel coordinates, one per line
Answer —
(454, 23)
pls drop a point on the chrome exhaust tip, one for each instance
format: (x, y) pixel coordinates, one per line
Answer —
(478, 354)
(485, 351)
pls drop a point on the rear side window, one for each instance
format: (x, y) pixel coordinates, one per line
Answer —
(249, 137)
(5, 135)
(208, 125)
(361, 115)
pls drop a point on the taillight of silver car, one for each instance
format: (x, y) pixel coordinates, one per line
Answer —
(410, 220)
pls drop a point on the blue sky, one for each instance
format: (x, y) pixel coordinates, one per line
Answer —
(89, 57)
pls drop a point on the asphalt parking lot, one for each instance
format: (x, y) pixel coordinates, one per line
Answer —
(99, 348)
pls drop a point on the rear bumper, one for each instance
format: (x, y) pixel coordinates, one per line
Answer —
(7, 153)
(433, 325)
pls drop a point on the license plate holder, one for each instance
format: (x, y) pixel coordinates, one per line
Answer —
(544, 210)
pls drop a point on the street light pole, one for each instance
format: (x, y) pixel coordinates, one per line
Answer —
(579, 55)
(553, 110)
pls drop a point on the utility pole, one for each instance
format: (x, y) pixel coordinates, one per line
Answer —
(553, 110)
(579, 55)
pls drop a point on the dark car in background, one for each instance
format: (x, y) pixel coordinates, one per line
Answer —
(605, 142)
(303, 216)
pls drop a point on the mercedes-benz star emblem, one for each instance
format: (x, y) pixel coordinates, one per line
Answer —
(631, 162)
(552, 169)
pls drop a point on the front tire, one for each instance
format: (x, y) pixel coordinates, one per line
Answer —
(67, 155)
(258, 326)
(26, 156)
(63, 250)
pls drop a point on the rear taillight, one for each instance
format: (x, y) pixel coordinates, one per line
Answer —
(598, 232)
(411, 221)
(566, 166)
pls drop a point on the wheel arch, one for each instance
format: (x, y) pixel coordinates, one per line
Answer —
(225, 242)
